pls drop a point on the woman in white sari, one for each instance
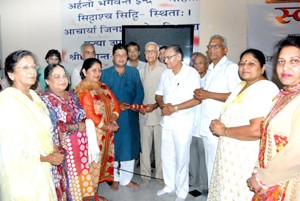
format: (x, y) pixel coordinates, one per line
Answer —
(26, 149)
(239, 129)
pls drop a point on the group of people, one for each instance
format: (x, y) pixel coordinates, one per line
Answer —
(219, 125)
(252, 128)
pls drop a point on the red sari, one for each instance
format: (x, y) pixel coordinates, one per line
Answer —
(100, 104)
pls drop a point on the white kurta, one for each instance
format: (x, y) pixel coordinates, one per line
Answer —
(235, 159)
(177, 128)
(221, 78)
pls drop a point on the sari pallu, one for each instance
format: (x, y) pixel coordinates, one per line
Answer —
(278, 165)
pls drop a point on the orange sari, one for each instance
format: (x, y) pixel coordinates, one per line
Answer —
(100, 104)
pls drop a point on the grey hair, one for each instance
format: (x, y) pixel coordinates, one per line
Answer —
(196, 54)
(86, 45)
(224, 40)
(152, 43)
(199, 54)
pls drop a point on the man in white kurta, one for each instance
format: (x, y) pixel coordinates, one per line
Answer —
(222, 78)
(150, 118)
(87, 51)
(197, 170)
(176, 86)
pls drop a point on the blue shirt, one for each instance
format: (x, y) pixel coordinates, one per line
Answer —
(128, 89)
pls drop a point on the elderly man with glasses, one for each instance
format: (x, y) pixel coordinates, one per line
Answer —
(177, 85)
(221, 79)
(150, 117)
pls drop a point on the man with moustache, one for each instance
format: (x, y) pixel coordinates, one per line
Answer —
(125, 83)
(221, 79)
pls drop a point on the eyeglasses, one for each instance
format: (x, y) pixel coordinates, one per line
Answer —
(170, 57)
(216, 46)
(150, 51)
(292, 62)
(250, 63)
(27, 68)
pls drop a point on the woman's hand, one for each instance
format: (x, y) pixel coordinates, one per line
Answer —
(82, 126)
(124, 106)
(217, 128)
(58, 158)
(253, 185)
(55, 158)
(112, 126)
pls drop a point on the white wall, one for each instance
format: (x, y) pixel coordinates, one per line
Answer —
(35, 25)
(32, 24)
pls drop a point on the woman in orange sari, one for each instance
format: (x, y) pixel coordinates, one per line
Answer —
(102, 107)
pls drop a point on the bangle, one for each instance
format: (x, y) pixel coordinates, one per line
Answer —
(176, 108)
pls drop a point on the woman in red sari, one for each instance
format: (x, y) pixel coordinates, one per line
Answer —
(102, 107)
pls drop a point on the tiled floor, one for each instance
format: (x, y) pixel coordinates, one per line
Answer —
(142, 193)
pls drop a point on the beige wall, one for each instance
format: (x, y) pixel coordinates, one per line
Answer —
(35, 25)
(32, 24)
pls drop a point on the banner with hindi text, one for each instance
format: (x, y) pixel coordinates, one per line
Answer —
(100, 23)
(269, 23)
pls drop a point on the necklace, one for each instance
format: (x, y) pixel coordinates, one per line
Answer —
(285, 95)
(287, 90)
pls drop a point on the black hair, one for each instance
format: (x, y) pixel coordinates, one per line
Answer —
(290, 40)
(177, 49)
(87, 64)
(257, 54)
(49, 69)
(119, 46)
(163, 47)
(12, 60)
(132, 43)
(53, 52)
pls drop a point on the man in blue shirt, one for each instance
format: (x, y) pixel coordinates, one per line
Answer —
(125, 83)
